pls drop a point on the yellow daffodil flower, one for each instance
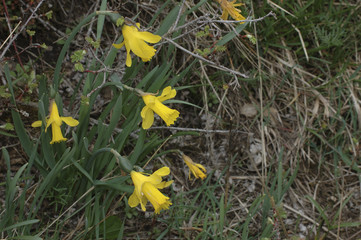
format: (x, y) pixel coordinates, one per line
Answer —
(197, 169)
(228, 8)
(135, 41)
(154, 104)
(55, 121)
(146, 188)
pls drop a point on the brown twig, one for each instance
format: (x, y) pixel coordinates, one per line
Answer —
(9, 26)
(21, 29)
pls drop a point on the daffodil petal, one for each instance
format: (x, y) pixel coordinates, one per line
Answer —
(141, 49)
(224, 15)
(167, 93)
(54, 117)
(149, 100)
(37, 123)
(164, 184)
(48, 123)
(128, 61)
(148, 117)
(164, 171)
(201, 167)
(149, 37)
(70, 121)
(229, 8)
(133, 200)
(144, 111)
(118, 45)
(138, 179)
(143, 202)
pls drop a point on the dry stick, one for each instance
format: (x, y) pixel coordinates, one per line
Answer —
(226, 194)
(262, 178)
(310, 220)
(178, 16)
(206, 21)
(301, 39)
(263, 138)
(82, 196)
(197, 20)
(157, 150)
(243, 21)
(277, 6)
(197, 130)
(214, 90)
(261, 104)
(22, 28)
(46, 24)
(206, 109)
(9, 26)
(355, 235)
(341, 201)
(121, 198)
(16, 27)
(212, 64)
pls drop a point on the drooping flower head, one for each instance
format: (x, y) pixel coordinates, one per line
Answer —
(55, 121)
(229, 8)
(154, 104)
(135, 41)
(197, 169)
(147, 188)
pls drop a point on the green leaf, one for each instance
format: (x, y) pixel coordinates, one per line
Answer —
(110, 227)
(95, 44)
(43, 45)
(78, 55)
(49, 15)
(28, 222)
(7, 126)
(228, 37)
(27, 238)
(31, 33)
(168, 21)
(3, 92)
(65, 48)
(7, 134)
(79, 67)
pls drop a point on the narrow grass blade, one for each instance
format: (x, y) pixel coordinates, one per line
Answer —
(168, 21)
(228, 37)
(17, 225)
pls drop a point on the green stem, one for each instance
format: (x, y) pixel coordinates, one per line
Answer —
(138, 91)
(123, 162)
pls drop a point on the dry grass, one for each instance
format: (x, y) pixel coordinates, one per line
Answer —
(298, 111)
